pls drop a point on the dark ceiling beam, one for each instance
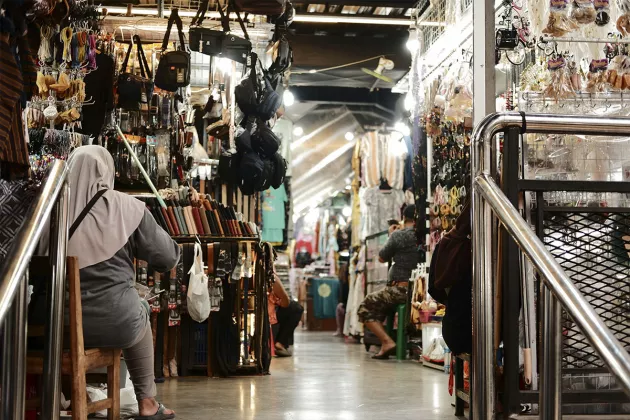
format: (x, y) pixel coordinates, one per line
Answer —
(346, 96)
(372, 3)
(317, 52)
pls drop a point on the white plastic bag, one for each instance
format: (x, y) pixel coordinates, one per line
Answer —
(198, 295)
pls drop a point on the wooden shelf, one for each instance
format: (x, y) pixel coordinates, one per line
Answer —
(204, 238)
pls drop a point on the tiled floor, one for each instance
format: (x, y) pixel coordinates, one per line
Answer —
(326, 379)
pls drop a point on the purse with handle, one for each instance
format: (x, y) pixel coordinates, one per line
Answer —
(135, 91)
(174, 69)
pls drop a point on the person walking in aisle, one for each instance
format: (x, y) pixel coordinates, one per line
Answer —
(401, 251)
(109, 229)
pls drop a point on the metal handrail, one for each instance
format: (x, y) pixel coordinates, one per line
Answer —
(487, 199)
(17, 260)
(52, 200)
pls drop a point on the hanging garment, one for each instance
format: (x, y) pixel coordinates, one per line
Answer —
(352, 325)
(325, 292)
(13, 147)
(378, 207)
(394, 162)
(99, 86)
(373, 151)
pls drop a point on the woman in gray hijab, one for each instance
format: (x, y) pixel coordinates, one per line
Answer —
(108, 230)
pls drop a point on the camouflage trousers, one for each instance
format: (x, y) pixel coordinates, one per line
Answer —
(377, 305)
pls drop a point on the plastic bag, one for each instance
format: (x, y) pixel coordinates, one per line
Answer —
(559, 23)
(602, 12)
(198, 295)
(560, 86)
(583, 12)
(597, 78)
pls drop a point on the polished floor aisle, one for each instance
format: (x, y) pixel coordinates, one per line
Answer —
(326, 379)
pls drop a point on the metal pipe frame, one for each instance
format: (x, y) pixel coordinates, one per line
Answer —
(488, 198)
(18, 259)
(550, 403)
(14, 292)
(14, 356)
(51, 381)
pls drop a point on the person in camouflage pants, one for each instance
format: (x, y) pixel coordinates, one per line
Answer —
(401, 251)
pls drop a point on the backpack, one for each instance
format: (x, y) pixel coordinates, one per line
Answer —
(174, 68)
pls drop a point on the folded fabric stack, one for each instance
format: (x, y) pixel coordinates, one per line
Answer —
(204, 217)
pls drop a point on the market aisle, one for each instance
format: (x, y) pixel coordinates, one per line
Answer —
(326, 379)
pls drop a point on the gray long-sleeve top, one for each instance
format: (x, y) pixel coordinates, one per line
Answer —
(401, 250)
(112, 313)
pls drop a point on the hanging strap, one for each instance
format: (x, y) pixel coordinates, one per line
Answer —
(225, 18)
(178, 21)
(123, 69)
(142, 59)
(85, 212)
(201, 13)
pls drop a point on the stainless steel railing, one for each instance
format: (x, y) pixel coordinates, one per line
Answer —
(489, 200)
(52, 200)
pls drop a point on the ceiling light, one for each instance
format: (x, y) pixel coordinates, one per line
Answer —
(346, 211)
(402, 128)
(349, 136)
(413, 43)
(410, 102)
(353, 19)
(138, 11)
(298, 131)
(287, 98)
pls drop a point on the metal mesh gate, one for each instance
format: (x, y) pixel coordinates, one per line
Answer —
(593, 248)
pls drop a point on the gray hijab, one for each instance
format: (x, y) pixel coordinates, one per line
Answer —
(114, 217)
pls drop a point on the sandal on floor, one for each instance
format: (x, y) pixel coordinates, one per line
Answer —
(385, 355)
(157, 416)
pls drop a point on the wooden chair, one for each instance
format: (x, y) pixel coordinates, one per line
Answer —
(78, 361)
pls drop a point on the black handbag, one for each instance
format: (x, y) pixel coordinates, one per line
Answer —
(134, 90)
(264, 141)
(174, 69)
(262, 7)
(204, 40)
(217, 43)
(284, 58)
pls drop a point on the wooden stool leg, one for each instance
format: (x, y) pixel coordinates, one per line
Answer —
(113, 389)
(79, 395)
(401, 342)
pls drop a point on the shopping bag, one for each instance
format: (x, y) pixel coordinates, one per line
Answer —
(198, 296)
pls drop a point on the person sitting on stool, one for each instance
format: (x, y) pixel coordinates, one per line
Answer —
(401, 250)
(284, 316)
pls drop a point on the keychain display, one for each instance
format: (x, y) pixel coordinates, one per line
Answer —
(451, 157)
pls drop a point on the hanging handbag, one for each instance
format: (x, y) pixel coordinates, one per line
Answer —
(204, 40)
(262, 7)
(174, 69)
(284, 58)
(135, 91)
(217, 43)
(234, 47)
